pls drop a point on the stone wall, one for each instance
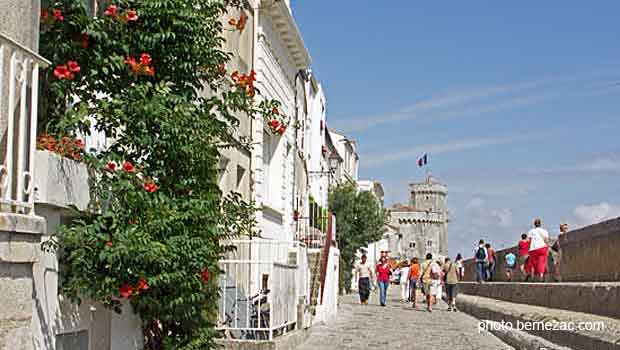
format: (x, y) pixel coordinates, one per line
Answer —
(588, 254)
(17, 305)
(597, 298)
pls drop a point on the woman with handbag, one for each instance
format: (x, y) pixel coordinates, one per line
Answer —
(451, 279)
(430, 280)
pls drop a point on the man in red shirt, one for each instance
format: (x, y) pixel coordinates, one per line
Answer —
(524, 247)
(491, 259)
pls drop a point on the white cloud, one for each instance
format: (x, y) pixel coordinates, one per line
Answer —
(494, 190)
(484, 99)
(601, 164)
(481, 216)
(445, 105)
(474, 203)
(503, 217)
(374, 160)
(585, 215)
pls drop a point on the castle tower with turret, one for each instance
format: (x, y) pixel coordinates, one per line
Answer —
(423, 223)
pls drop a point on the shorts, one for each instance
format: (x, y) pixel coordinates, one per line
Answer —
(522, 259)
(451, 290)
(435, 287)
(426, 287)
(538, 260)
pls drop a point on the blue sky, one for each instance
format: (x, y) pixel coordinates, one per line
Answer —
(517, 105)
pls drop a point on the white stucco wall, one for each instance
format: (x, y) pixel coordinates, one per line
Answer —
(61, 183)
(274, 174)
(126, 330)
(327, 311)
(316, 161)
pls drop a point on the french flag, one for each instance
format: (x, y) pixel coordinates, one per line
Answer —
(423, 160)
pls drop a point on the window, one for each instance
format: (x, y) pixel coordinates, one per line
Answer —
(222, 169)
(412, 244)
(240, 174)
(271, 192)
(429, 244)
(72, 341)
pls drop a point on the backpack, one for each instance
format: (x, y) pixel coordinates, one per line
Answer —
(480, 255)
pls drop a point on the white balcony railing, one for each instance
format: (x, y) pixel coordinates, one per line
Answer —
(261, 286)
(19, 81)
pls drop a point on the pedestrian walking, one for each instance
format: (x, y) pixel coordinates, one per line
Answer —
(439, 286)
(524, 248)
(430, 280)
(451, 279)
(383, 271)
(511, 262)
(460, 268)
(491, 261)
(539, 249)
(364, 276)
(481, 255)
(414, 277)
(404, 281)
(556, 252)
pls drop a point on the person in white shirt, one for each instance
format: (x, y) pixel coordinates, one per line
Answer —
(364, 275)
(539, 249)
(404, 282)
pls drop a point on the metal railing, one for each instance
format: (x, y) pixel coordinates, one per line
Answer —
(19, 83)
(312, 229)
(261, 285)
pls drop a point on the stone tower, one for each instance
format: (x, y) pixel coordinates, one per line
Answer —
(423, 223)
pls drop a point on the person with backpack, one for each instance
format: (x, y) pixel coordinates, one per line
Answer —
(431, 279)
(511, 262)
(451, 279)
(481, 255)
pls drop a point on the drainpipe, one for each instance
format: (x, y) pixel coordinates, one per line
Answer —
(255, 8)
(301, 73)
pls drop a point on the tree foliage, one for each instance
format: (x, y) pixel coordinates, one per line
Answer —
(153, 235)
(359, 221)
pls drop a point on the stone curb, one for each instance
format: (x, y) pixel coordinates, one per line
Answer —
(502, 311)
(521, 340)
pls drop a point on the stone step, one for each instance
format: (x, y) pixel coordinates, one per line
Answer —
(601, 333)
(589, 297)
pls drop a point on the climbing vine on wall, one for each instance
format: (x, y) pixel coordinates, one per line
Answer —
(136, 72)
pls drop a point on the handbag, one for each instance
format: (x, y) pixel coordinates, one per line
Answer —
(424, 273)
(445, 276)
(556, 246)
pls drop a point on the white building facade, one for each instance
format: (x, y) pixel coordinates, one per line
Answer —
(280, 61)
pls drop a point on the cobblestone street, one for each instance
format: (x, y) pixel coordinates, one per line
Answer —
(398, 326)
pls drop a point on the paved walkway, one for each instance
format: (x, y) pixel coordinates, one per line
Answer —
(398, 326)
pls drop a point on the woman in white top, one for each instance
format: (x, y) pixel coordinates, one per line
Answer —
(404, 282)
(460, 269)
